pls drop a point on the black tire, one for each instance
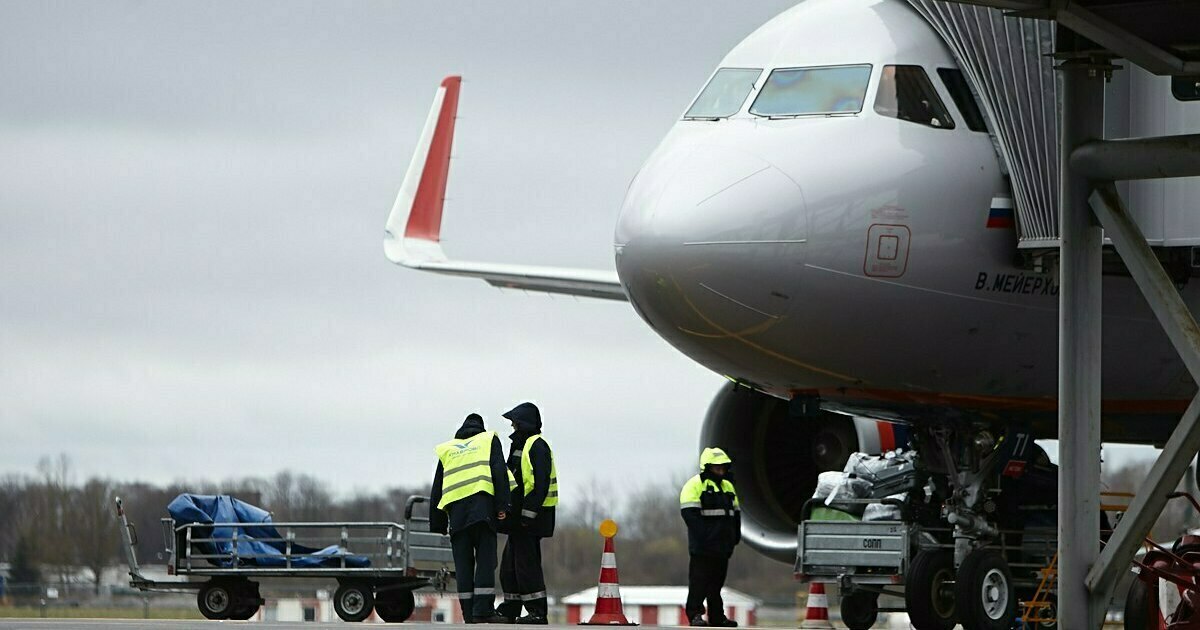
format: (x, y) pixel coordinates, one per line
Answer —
(216, 599)
(929, 590)
(395, 606)
(984, 592)
(1141, 607)
(246, 600)
(353, 601)
(243, 611)
(860, 610)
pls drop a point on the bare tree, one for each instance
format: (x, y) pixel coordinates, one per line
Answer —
(24, 575)
(312, 500)
(96, 537)
(12, 513)
(52, 501)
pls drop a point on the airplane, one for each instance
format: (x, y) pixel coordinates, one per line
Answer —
(828, 226)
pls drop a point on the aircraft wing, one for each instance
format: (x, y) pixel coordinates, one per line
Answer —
(413, 230)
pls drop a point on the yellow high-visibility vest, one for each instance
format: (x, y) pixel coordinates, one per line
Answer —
(527, 472)
(466, 467)
(693, 491)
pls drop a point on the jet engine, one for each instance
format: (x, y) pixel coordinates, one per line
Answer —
(777, 452)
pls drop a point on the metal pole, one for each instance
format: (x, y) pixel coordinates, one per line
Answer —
(1139, 158)
(1181, 328)
(1079, 321)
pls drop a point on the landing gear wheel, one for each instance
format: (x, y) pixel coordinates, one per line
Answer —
(860, 610)
(929, 590)
(1141, 607)
(984, 592)
(353, 601)
(215, 599)
(395, 606)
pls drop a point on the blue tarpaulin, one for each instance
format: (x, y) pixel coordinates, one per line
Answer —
(208, 509)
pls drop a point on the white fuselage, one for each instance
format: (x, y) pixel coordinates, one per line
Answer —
(849, 255)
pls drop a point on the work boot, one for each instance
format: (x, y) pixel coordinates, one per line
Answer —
(532, 620)
(697, 621)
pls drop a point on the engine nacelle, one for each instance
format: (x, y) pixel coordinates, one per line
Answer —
(777, 454)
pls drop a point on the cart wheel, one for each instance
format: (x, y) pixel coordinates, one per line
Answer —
(1141, 607)
(242, 612)
(395, 606)
(929, 590)
(246, 601)
(984, 590)
(215, 599)
(860, 610)
(353, 601)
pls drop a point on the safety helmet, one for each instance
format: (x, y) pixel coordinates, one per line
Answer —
(713, 456)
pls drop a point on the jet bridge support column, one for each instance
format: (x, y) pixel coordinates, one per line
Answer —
(1079, 327)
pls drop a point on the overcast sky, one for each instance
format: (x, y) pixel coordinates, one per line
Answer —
(192, 199)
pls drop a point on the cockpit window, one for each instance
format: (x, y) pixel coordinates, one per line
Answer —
(960, 91)
(820, 90)
(724, 94)
(905, 92)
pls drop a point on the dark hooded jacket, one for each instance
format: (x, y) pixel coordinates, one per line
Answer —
(714, 521)
(479, 507)
(529, 423)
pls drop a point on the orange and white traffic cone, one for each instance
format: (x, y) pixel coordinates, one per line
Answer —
(816, 614)
(608, 594)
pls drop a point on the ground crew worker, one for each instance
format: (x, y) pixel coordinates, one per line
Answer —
(471, 492)
(532, 463)
(709, 506)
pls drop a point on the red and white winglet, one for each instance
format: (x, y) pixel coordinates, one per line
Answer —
(413, 229)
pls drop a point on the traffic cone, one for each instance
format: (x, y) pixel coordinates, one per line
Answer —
(816, 614)
(608, 594)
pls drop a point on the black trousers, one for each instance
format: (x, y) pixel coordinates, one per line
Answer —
(521, 576)
(706, 576)
(474, 551)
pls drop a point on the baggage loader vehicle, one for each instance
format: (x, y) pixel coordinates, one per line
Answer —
(915, 563)
(962, 530)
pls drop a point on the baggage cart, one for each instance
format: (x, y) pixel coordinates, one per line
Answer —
(402, 557)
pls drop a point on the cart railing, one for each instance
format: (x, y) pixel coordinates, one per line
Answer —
(879, 551)
(192, 545)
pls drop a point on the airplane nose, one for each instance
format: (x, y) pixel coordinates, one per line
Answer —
(710, 193)
(711, 232)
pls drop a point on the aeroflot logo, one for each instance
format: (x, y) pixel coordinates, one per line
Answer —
(462, 449)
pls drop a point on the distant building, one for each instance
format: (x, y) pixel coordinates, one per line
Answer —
(660, 605)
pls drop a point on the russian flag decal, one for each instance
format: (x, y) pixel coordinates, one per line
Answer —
(1001, 213)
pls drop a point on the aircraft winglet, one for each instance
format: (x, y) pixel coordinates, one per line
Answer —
(415, 224)
(413, 228)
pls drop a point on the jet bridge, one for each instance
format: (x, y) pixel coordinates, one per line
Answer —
(1075, 151)
(1009, 60)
